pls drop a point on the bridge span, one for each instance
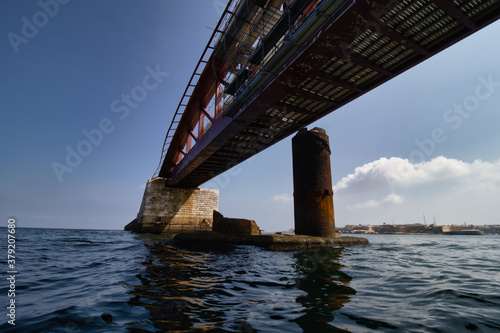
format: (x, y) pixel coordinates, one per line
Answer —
(272, 67)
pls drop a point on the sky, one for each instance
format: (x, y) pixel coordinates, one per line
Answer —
(424, 144)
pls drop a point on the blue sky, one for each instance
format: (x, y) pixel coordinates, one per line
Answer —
(426, 142)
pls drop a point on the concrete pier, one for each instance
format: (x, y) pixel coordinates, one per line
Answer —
(274, 242)
(312, 184)
(173, 210)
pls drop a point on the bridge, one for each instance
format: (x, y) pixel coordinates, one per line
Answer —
(272, 67)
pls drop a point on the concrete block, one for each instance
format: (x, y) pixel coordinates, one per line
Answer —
(171, 210)
(232, 226)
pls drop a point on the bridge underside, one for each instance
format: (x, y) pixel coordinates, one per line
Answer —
(324, 59)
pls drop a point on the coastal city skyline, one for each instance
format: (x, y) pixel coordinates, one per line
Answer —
(420, 229)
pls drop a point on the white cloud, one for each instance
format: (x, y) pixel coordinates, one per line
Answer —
(396, 172)
(387, 200)
(283, 198)
(393, 188)
(366, 204)
(484, 178)
(392, 198)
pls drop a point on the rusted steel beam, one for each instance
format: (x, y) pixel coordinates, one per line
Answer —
(358, 60)
(455, 13)
(201, 124)
(189, 142)
(198, 154)
(257, 127)
(378, 26)
(193, 135)
(293, 108)
(396, 36)
(314, 97)
(207, 114)
(321, 76)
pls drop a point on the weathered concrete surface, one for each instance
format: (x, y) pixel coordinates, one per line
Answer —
(173, 210)
(275, 242)
(312, 184)
(233, 226)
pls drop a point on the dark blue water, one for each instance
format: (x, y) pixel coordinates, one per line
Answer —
(115, 281)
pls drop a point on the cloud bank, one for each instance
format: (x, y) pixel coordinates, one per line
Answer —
(389, 199)
(282, 198)
(445, 185)
(397, 173)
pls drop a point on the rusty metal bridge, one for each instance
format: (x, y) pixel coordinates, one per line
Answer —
(272, 67)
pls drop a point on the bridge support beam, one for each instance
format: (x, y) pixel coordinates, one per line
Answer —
(312, 184)
(174, 210)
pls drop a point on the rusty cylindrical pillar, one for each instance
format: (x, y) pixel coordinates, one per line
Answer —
(312, 184)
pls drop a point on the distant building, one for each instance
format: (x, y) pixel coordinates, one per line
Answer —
(357, 229)
(489, 229)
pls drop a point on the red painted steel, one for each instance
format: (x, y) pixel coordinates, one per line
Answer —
(200, 98)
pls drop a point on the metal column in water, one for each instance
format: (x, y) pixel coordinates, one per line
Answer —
(312, 184)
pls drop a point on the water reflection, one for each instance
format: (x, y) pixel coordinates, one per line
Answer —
(174, 287)
(326, 286)
(240, 289)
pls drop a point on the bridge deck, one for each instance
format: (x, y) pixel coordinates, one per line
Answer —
(276, 68)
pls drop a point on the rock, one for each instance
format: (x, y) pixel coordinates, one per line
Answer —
(230, 226)
(107, 317)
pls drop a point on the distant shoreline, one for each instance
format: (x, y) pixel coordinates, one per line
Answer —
(420, 229)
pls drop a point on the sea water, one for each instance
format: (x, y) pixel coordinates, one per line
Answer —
(117, 281)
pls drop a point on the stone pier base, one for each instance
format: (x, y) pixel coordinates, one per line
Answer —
(174, 210)
(272, 242)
